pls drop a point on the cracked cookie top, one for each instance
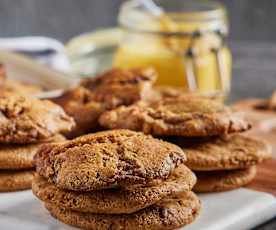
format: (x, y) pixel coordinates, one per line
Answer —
(121, 87)
(107, 159)
(94, 96)
(182, 116)
(28, 120)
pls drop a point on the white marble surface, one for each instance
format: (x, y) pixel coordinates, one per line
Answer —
(238, 209)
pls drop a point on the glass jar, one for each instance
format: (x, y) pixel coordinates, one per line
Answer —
(92, 53)
(186, 44)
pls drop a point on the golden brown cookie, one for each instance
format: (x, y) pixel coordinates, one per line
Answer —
(184, 116)
(114, 201)
(170, 213)
(21, 156)
(107, 159)
(120, 86)
(217, 181)
(106, 91)
(15, 180)
(25, 120)
(220, 153)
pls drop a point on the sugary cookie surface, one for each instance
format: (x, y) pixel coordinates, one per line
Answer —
(183, 116)
(28, 120)
(108, 159)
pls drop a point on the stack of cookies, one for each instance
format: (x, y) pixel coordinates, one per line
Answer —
(25, 123)
(117, 179)
(205, 129)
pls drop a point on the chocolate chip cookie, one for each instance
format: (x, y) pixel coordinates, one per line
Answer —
(184, 116)
(108, 159)
(217, 181)
(114, 201)
(170, 213)
(26, 120)
(220, 153)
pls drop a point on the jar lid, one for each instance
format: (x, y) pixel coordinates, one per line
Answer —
(134, 16)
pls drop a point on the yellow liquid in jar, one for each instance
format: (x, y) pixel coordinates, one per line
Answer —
(167, 56)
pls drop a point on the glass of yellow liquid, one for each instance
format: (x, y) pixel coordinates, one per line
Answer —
(186, 44)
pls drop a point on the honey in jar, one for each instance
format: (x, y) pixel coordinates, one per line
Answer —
(186, 44)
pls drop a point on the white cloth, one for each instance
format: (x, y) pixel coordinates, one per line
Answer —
(46, 50)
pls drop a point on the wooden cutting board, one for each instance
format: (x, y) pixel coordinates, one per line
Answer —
(265, 181)
(264, 127)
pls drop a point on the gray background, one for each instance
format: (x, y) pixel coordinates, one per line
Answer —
(253, 20)
(252, 39)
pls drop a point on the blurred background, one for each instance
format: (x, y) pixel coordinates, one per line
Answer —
(251, 20)
(252, 32)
